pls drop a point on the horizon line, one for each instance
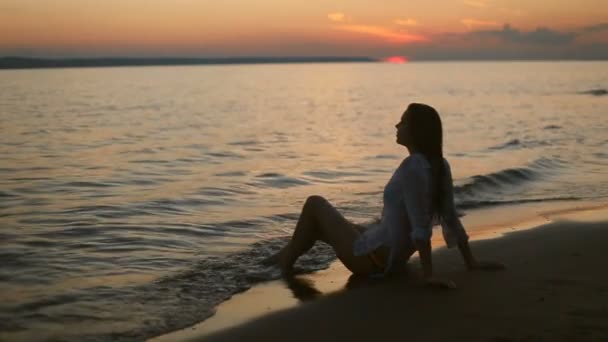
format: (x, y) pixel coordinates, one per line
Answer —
(20, 62)
(23, 62)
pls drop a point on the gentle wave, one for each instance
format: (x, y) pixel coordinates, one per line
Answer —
(276, 180)
(6, 194)
(595, 92)
(517, 143)
(475, 192)
(509, 144)
(508, 177)
(334, 176)
(472, 204)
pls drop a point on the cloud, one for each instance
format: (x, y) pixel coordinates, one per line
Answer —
(511, 43)
(344, 23)
(388, 35)
(472, 23)
(406, 22)
(337, 16)
(476, 3)
(540, 36)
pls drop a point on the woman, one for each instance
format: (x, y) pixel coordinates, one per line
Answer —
(419, 193)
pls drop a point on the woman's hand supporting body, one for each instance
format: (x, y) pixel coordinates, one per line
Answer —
(473, 264)
(426, 260)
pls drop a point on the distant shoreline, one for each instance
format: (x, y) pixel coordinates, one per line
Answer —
(40, 63)
(19, 62)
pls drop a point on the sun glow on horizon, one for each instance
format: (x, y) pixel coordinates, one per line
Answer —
(396, 60)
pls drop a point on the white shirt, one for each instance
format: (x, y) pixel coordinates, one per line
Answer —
(407, 214)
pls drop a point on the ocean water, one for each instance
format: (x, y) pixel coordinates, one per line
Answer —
(134, 200)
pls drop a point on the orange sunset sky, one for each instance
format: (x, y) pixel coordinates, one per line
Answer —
(434, 29)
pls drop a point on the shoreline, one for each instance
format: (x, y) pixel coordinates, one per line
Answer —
(28, 63)
(270, 300)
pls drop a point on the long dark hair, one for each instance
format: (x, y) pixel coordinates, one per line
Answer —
(426, 137)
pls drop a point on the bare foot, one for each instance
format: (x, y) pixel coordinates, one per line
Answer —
(277, 259)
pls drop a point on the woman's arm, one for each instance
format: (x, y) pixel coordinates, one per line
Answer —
(426, 258)
(453, 230)
(472, 263)
(467, 255)
(417, 202)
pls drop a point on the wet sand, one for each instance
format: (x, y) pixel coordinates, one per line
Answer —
(555, 288)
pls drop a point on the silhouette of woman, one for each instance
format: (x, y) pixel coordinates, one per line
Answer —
(419, 194)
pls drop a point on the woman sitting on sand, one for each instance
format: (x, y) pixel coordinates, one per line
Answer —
(419, 193)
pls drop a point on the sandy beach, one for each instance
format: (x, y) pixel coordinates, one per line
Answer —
(554, 289)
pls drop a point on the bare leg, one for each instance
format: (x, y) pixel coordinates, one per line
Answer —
(319, 220)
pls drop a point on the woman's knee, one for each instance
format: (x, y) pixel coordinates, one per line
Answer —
(315, 201)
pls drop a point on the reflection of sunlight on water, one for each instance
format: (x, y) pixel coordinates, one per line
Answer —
(118, 280)
(162, 166)
(19, 295)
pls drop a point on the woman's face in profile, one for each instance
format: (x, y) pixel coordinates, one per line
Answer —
(402, 135)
